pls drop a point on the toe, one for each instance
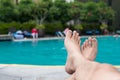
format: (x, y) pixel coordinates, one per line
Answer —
(77, 37)
(90, 38)
(74, 35)
(69, 34)
(82, 47)
(90, 41)
(94, 42)
(79, 41)
(86, 43)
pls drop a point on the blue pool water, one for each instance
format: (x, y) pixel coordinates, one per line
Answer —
(52, 52)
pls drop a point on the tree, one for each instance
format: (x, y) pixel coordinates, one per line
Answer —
(74, 10)
(41, 11)
(62, 14)
(25, 10)
(57, 11)
(105, 12)
(53, 14)
(7, 11)
(89, 12)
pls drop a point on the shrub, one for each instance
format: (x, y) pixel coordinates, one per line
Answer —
(91, 26)
(51, 28)
(5, 27)
(40, 26)
(28, 25)
(103, 26)
(78, 27)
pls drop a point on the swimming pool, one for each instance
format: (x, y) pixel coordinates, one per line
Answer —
(52, 52)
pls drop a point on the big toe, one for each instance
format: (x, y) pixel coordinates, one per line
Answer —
(90, 41)
(69, 34)
(94, 42)
(74, 36)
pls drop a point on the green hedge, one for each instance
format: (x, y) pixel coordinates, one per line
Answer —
(90, 26)
(4, 27)
(51, 28)
(28, 25)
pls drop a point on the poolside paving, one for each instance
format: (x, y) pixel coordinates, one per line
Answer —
(32, 73)
(24, 72)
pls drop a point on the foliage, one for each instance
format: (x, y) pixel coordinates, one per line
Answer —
(78, 27)
(41, 26)
(74, 10)
(54, 15)
(51, 28)
(51, 11)
(105, 12)
(28, 25)
(7, 11)
(96, 12)
(89, 26)
(103, 26)
(89, 12)
(25, 10)
(4, 27)
(61, 13)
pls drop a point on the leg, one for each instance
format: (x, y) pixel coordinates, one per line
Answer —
(69, 68)
(73, 48)
(76, 61)
(33, 35)
(85, 69)
(98, 72)
(72, 77)
(36, 35)
(86, 52)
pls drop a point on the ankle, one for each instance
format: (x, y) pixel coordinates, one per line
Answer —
(79, 61)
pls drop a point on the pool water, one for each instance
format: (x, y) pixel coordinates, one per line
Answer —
(53, 52)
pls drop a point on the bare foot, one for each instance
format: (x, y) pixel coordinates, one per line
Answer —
(72, 42)
(89, 48)
(73, 48)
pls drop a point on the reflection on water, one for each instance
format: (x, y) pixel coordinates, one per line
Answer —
(34, 42)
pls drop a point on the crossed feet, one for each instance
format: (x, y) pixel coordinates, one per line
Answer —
(72, 44)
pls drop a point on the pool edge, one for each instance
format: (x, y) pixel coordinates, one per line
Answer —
(54, 38)
(37, 66)
(43, 66)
